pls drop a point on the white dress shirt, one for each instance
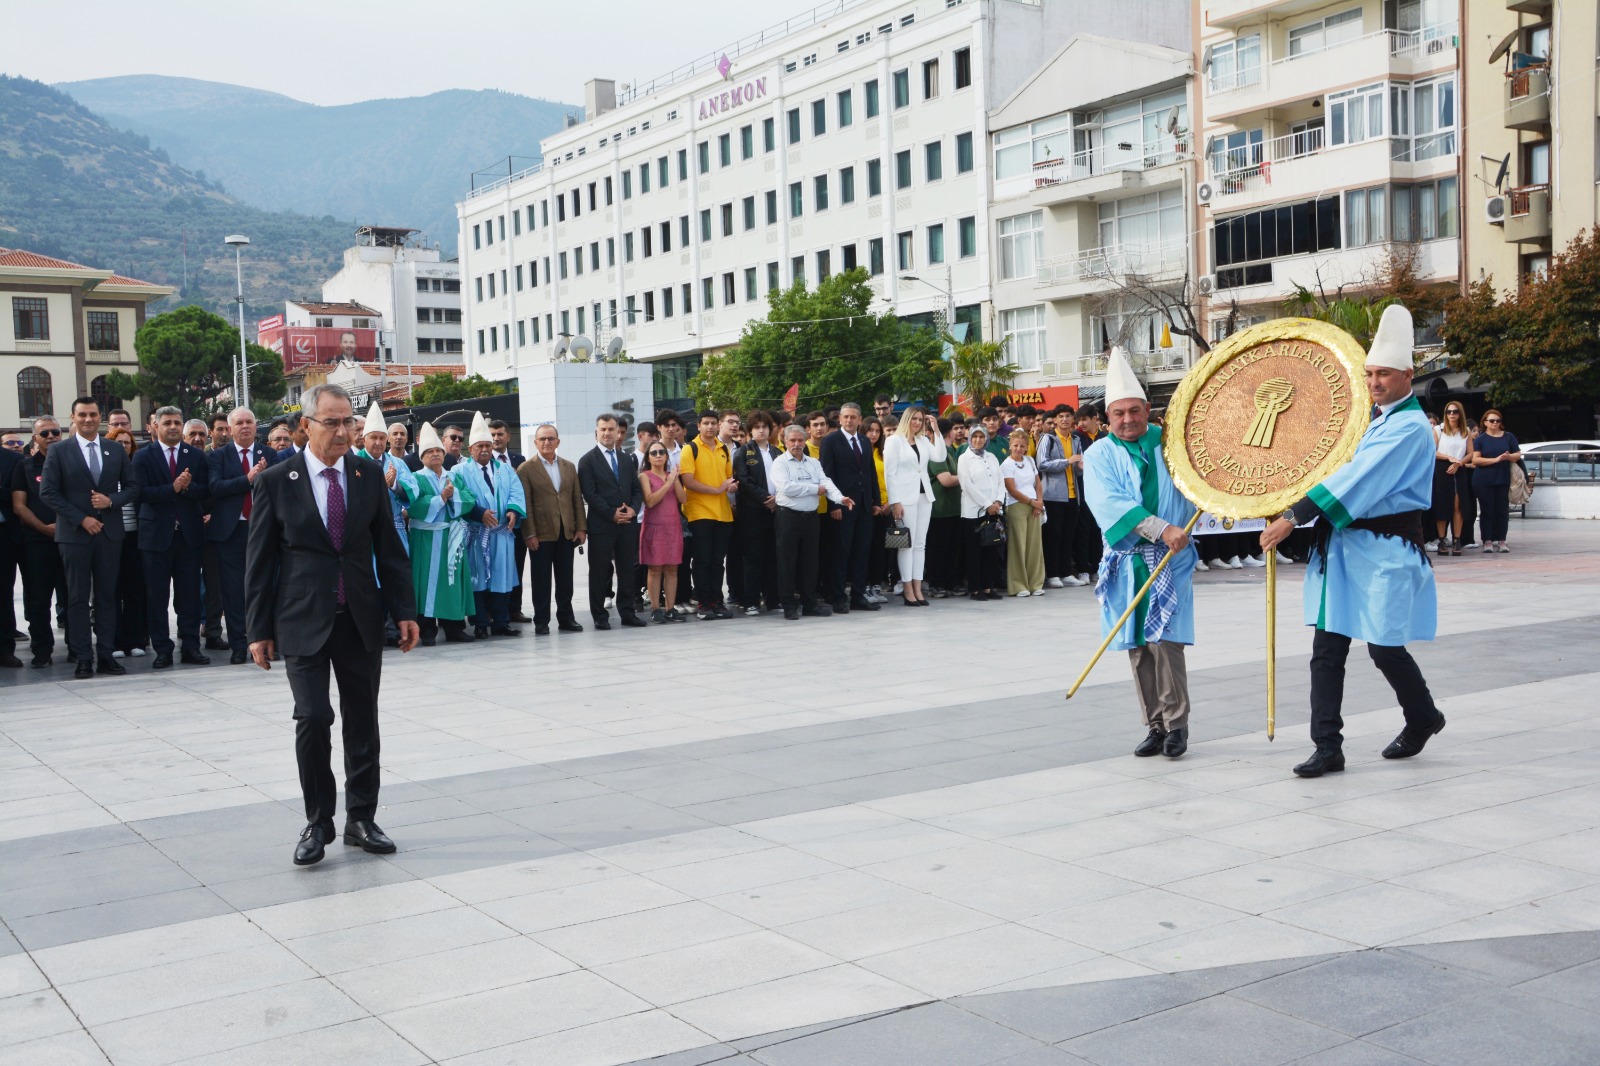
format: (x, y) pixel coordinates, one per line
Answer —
(319, 484)
(553, 469)
(797, 482)
(91, 444)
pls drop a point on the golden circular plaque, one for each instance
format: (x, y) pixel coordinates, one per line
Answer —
(1267, 414)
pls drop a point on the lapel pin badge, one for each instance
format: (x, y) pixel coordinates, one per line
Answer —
(294, 475)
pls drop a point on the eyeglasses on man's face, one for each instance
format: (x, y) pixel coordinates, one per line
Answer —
(336, 424)
(454, 437)
(17, 444)
(47, 434)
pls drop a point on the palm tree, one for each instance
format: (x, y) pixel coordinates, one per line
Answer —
(1355, 315)
(976, 369)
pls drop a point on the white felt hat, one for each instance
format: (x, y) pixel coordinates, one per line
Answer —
(428, 439)
(1393, 344)
(480, 430)
(375, 421)
(1121, 382)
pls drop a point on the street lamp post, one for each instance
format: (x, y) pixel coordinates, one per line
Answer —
(948, 289)
(241, 372)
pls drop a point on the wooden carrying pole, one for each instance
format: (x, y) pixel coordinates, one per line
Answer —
(1143, 592)
(1272, 641)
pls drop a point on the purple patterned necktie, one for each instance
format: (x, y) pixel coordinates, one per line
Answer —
(336, 518)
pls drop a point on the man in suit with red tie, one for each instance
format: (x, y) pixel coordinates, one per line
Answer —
(172, 493)
(846, 457)
(234, 468)
(323, 564)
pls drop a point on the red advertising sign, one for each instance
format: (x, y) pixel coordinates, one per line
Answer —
(300, 346)
(1044, 399)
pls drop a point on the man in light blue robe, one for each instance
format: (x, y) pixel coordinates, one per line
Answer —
(1369, 577)
(401, 481)
(1142, 514)
(497, 509)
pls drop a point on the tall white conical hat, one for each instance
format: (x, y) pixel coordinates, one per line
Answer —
(480, 430)
(1394, 343)
(1121, 382)
(375, 421)
(428, 438)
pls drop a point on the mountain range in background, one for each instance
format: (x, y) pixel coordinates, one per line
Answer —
(380, 162)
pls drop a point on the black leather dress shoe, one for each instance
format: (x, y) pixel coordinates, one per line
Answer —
(162, 661)
(1151, 745)
(541, 630)
(1409, 743)
(570, 627)
(109, 665)
(314, 840)
(40, 662)
(194, 658)
(602, 624)
(216, 644)
(792, 613)
(239, 658)
(521, 619)
(817, 610)
(1322, 761)
(633, 621)
(480, 632)
(459, 636)
(862, 605)
(427, 642)
(367, 836)
(1176, 744)
(10, 662)
(840, 606)
(82, 670)
(506, 631)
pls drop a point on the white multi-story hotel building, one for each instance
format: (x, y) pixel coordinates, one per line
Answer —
(854, 135)
(412, 287)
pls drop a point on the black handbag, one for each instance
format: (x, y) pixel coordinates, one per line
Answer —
(991, 532)
(897, 537)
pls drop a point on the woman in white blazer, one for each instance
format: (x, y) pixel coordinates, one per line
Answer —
(982, 495)
(915, 443)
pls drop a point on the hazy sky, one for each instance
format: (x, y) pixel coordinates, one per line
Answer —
(341, 51)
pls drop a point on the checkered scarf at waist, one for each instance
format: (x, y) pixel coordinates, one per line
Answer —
(1163, 598)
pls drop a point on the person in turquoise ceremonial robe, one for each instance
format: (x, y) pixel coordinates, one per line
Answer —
(1369, 577)
(440, 571)
(498, 508)
(402, 483)
(1142, 515)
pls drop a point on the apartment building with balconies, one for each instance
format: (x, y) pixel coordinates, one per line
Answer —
(1331, 134)
(1093, 189)
(1530, 153)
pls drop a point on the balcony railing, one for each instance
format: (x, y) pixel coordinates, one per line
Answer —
(1251, 167)
(1093, 364)
(1113, 261)
(1400, 44)
(1522, 200)
(1111, 158)
(499, 183)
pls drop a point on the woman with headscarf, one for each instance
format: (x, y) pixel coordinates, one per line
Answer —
(982, 501)
(440, 571)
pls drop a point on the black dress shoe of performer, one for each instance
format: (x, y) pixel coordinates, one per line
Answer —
(633, 621)
(459, 636)
(41, 662)
(1152, 744)
(10, 662)
(1176, 744)
(239, 658)
(216, 644)
(521, 619)
(506, 631)
(313, 842)
(480, 632)
(541, 630)
(194, 658)
(569, 627)
(1322, 761)
(602, 624)
(1409, 743)
(161, 662)
(82, 670)
(109, 665)
(366, 835)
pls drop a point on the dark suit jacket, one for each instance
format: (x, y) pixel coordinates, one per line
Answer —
(11, 529)
(552, 514)
(292, 569)
(161, 507)
(604, 493)
(857, 481)
(413, 461)
(228, 487)
(66, 487)
(750, 471)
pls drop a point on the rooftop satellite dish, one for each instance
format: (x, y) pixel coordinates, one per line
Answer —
(1500, 175)
(1172, 121)
(581, 349)
(613, 349)
(561, 350)
(1504, 46)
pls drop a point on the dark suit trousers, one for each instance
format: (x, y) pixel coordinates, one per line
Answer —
(1086, 542)
(613, 549)
(177, 569)
(553, 559)
(43, 576)
(10, 555)
(133, 621)
(230, 585)
(522, 569)
(92, 581)
(214, 588)
(1060, 537)
(1328, 653)
(855, 547)
(754, 526)
(795, 556)
(356, 671)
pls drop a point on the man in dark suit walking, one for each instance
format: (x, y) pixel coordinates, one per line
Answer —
(502, 451)
(846, 457)
(86, 481)
(172, 494)
(555, 527)
(609, 480)
(233, 472)
(320, 525)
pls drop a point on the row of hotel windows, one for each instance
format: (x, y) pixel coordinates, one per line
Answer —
(438, 285)
(30, 321)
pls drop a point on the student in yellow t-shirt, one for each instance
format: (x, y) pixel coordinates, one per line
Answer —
(706, 468)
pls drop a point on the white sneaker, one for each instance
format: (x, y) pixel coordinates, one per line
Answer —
(137, 653)
(1253, 561)
(1470, 544)
(1085, 579)
(116, 655)
(1038, 592)
(899, 588)
(1054, 583)
(1071, 581)
(1282, 558)
(1234, 564)
(1023, 594)
(1432, 546)
(1200, 565)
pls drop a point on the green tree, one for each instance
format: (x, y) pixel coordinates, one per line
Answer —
(1540, 340)
(186, 359)
(444, 387)
(826, 341)
(979, 369)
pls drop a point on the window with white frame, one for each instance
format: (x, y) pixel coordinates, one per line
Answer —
(1366, 217)
(1355, 115)
(1141, 225)
(1136, 327)
(1235, 64)
(1022, 331)
(1016, 150)
(1021, 245)
(1325, 33)
(1433, 118)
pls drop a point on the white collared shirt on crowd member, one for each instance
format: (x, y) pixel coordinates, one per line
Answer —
(796, 483)
(1022, 474)
(553, 470)
(319, 484)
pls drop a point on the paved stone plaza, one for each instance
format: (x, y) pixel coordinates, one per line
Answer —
(878, 839)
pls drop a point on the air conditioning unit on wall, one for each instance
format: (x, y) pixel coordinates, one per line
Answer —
(1203, 192)
(1495, 210)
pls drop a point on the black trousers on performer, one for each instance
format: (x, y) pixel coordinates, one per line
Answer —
(1328, 654)
(356, 671)
(795, 548)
